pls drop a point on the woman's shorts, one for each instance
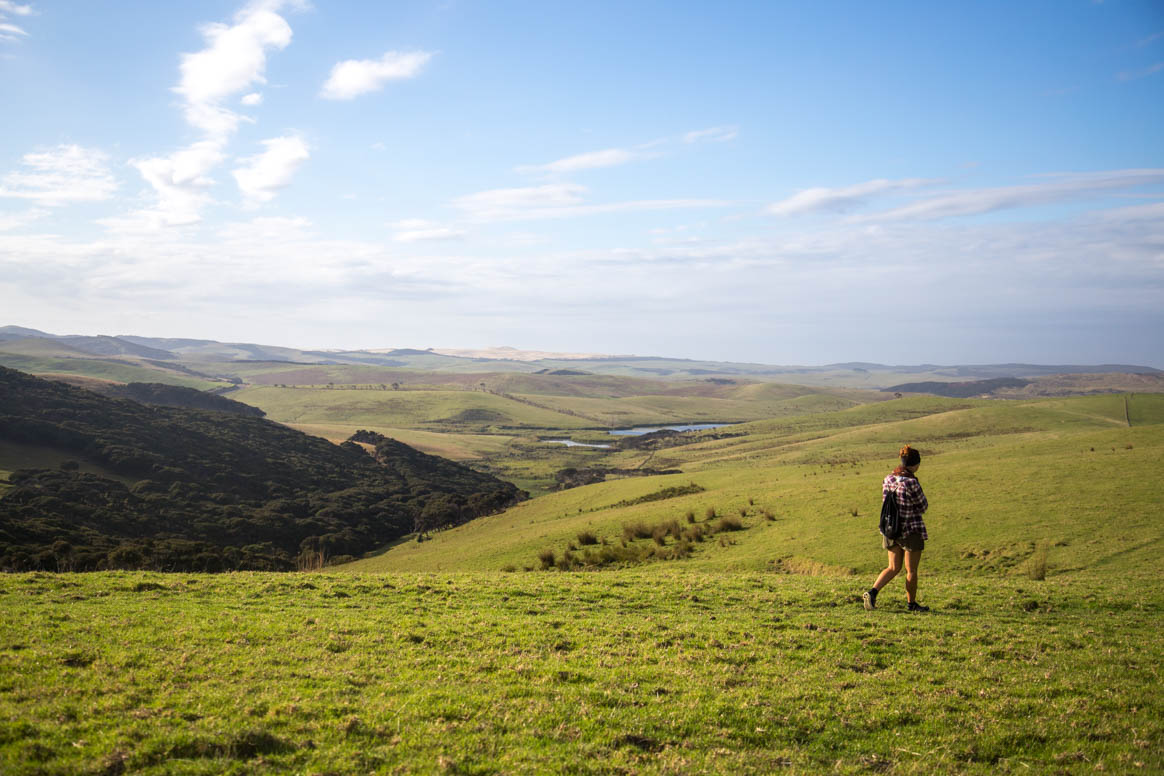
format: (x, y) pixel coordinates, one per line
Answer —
(911, 541)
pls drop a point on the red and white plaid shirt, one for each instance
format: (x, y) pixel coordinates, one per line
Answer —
(911, 502)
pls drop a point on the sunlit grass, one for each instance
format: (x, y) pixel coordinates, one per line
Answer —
(573, 673)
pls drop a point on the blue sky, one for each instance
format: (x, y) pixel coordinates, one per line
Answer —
(780, 182)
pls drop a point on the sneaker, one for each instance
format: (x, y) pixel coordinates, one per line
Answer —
(914, 606)
(870, 598)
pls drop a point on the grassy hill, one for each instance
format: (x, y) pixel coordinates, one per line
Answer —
(1008, 482)
(119, 370)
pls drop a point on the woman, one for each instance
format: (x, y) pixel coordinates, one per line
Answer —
(902, 485)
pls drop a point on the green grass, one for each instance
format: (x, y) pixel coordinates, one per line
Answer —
(751, 656)
(105, 369)
(425, 409)
(619, 672)
(458, 447)
(1003, 479)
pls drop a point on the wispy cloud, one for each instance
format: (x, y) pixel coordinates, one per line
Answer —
(615, 157)
(609, 157)
(842, 199)
(264, 174)
(412, 230)
(1132, 75)
(558, 200)
(10, 32)
(10, 221)
(1054, 188)
(1148, 40)
(353, 77)
(58, 176)
(712, 135)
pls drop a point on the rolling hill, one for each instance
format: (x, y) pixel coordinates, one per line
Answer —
(216, 360)
(1005, 480)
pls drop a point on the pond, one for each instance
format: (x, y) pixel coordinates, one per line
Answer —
(572, 443)
(640, 430)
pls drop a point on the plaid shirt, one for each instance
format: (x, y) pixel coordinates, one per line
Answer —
(911, 502)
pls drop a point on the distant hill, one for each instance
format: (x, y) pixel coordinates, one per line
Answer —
(20, 332)
(214, 359)
(113, 346)
(1051, 385)
(199, 490)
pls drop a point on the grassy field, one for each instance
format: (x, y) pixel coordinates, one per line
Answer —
(106, 369)
(747, 653)
(449, 410)
(500, 421)
(667, 672)
(1060, 478)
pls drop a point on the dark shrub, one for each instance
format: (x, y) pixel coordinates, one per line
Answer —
(586, 537)
(729, 524)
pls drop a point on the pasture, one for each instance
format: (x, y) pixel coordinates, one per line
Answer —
(672, 671)
(747, 653)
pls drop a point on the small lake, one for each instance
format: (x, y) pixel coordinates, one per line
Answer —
(572, 443)
(640, 430)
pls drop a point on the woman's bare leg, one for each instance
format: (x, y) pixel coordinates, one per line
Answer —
(891, 570)
(911, 561)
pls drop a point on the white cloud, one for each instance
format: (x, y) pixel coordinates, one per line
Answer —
(11, 32)
(501, 201)
(420, 230)
(839, 199)
(234, 60)
(1059, 187)
(610, 157)
(67, 173)
(8, 31)
(260, 230)
(712, 135)
(9, 221)
(970, 279)
(264, 174)
(353, 77)
(557, 200)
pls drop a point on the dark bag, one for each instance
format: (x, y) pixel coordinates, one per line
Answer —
(890, 524)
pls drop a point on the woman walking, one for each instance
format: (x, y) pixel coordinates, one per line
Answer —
(902, 484)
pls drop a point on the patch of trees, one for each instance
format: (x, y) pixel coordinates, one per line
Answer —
(667, 437)
(963, 390)
(198, 490)
(574, 478)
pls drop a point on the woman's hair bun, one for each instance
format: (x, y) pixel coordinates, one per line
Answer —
(909, 456)
(905, 451)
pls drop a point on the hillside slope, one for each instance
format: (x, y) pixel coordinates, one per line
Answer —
(206, 490)
(1067, 479)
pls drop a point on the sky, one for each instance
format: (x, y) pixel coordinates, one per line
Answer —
(898, 182)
